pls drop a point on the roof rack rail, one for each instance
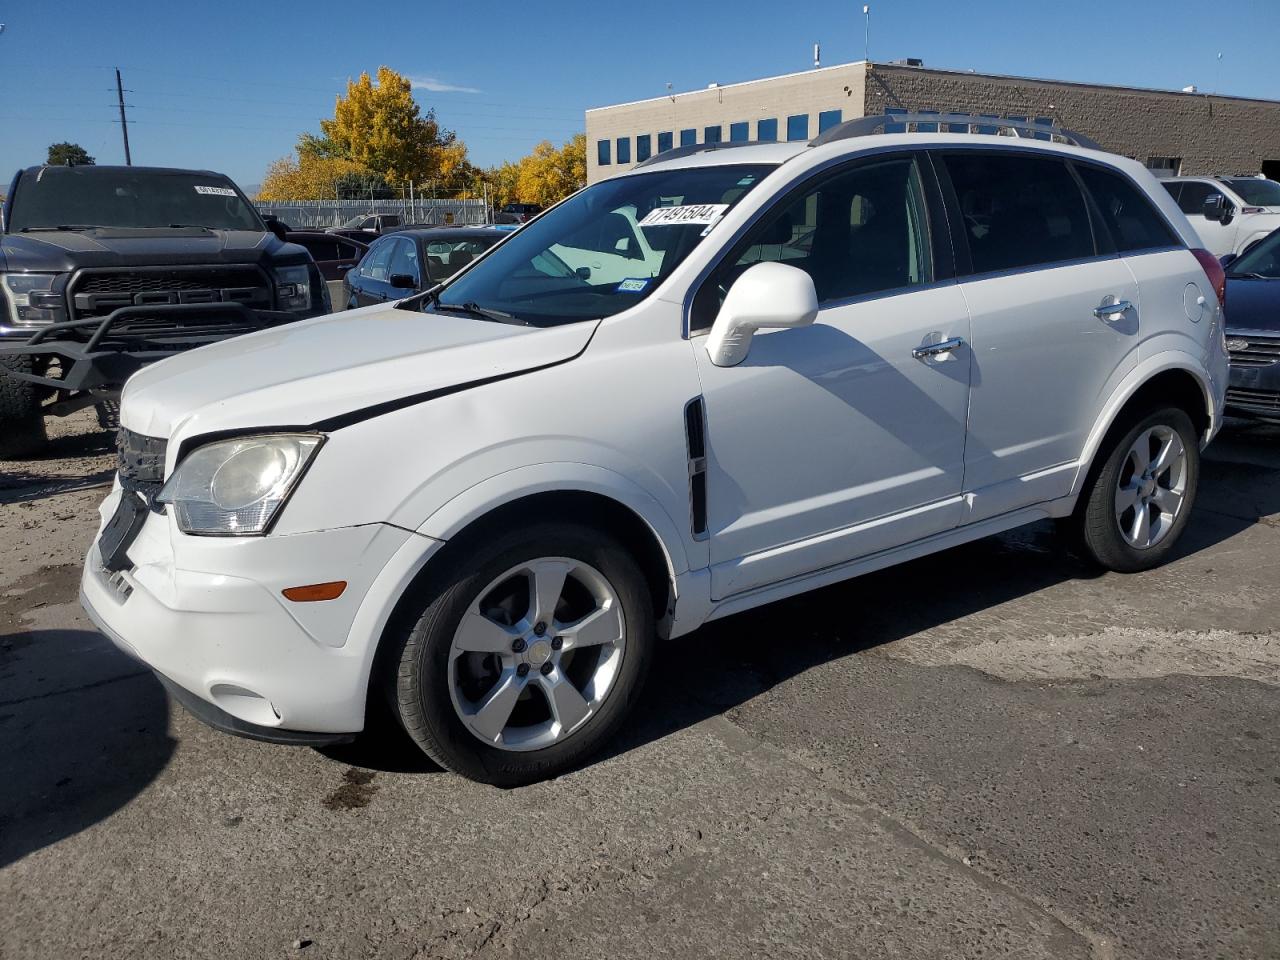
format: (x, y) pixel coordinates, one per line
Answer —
(868, 126)
(688, 150)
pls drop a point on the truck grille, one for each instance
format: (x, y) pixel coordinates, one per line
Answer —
(97, 292)
(1253, 350)
(140, 462)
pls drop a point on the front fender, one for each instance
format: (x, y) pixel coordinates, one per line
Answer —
(480, 499)
(1131, 384)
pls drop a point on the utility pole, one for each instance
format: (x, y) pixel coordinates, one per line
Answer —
(124, 124)
(866, 37)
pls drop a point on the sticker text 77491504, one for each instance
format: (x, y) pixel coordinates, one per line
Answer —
(694, 213)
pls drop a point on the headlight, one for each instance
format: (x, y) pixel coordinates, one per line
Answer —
(235, 488)
(31, 300)
(293, 287)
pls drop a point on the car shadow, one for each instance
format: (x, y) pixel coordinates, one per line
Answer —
(85, 730)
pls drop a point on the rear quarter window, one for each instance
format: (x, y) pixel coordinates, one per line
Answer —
(1133, 221)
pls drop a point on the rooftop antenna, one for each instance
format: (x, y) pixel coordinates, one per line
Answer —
(866, 37)
(817, 55)
(1217, 76)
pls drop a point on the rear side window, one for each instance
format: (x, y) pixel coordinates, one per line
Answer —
(1019, 211)
(1134, 223)
(1193, 196)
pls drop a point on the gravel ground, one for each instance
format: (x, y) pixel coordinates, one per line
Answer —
(990, 752)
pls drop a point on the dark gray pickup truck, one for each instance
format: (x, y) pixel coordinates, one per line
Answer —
(105, 269)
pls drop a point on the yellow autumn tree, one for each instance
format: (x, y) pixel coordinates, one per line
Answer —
(308, 177)
(379, 126)
(548, 174)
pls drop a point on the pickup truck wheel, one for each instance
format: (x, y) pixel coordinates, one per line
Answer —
(1139, 502)
(527, 656)
(21, 420)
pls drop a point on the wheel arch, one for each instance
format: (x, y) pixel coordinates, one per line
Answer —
(1171, 378)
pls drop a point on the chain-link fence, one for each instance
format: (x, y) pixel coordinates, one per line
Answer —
(318, 214)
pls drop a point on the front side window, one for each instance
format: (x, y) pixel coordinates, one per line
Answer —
(604, 249)
(1133, 222)
(1256, 192)
(1194, 194)
(376, 263)
(404, 259)
(858, 232)
(1019, 211)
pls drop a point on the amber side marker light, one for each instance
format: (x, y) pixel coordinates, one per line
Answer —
(315, 591)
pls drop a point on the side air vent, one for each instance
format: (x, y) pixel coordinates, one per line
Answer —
(696, 443)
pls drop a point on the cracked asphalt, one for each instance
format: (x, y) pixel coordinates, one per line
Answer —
(990, 752)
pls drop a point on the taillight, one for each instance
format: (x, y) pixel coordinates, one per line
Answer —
(1213, 270)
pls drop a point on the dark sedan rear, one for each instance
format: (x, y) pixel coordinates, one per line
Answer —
(400, 264)
(1253, 329)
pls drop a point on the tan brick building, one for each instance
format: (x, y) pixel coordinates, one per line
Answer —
(1172, 132)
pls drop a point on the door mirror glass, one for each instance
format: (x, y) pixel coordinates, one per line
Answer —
(402, 281)
(766, 295)
(1216, 208)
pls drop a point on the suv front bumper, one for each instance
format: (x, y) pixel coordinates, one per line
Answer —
(208, 615)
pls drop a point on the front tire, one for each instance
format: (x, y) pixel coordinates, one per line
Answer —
(528, 652)
(21, 419)
(1136, 507)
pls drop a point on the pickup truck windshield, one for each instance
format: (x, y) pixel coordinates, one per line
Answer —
(603, 250)
(1257, 192)
(86, 197)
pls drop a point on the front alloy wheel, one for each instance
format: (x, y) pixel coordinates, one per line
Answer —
(528, 652)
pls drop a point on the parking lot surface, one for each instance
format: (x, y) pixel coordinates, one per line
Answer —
(990, 752)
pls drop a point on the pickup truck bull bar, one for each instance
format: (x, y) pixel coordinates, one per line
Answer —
(111, 353)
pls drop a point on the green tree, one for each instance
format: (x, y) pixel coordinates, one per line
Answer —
(68, 154)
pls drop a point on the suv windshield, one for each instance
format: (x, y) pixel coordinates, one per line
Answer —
(1262, 260)
(603, 250)
(84, 197)
(1257, 192)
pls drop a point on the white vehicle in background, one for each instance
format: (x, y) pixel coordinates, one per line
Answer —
(481, 506)
(1228, 213)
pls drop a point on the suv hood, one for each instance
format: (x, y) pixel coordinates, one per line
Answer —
(65, 250)
(1253, 304)
(306, 373)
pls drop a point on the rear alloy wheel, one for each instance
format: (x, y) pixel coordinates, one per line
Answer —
(524, 666)
(1139, 503)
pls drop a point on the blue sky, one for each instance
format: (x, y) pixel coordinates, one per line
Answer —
(230, 85)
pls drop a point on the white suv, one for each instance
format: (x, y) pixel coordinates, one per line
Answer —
(483, 505)
(1228, 213)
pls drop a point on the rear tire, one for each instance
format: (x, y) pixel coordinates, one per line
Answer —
(479, 637)
(21, 419)
(1134, 509)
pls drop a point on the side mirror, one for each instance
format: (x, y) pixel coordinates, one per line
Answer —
(1217, 209)
(402, 281)
(766, 295)
(277, 228)
(1228, 259)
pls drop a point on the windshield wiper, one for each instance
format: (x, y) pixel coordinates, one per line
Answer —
(62, 226)
(476, 310)
(1248, 276)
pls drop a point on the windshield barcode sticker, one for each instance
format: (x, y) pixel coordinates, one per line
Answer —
(697, 213)
(216, 191)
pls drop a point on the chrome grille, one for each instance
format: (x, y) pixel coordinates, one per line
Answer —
(1253, 350)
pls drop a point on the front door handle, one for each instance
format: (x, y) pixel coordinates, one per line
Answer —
(1111, 312)
(937, 349)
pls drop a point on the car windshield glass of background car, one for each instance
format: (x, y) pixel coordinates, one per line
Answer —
(1256, 191)
(128, 198)
(605, 249)
(1262, 260)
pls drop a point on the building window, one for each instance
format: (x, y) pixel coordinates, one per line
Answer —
(665, 142)
(688, 137)
(986, 128)
(894, 127)
(602, 152)
(739, 132)
(927, 127)
(1047, 122)
(767, 131)
(1164, 166)
(624, 149)
(798, 127)
(828, 119)
(958, 127)
(643, 143)
(711, 134)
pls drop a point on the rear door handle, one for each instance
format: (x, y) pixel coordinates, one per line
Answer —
(937, 349)
(1112, 312)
